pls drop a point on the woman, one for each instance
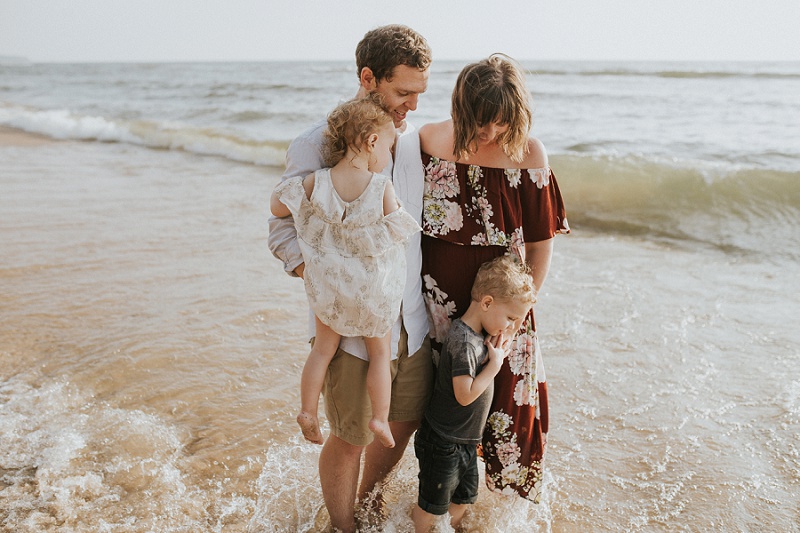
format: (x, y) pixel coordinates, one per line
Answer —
(489, 191)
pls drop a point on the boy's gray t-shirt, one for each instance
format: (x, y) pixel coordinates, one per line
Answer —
(463, 354)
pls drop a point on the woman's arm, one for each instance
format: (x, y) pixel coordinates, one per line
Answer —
(538, 256)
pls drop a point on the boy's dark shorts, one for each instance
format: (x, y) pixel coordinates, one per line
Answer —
(448, 472)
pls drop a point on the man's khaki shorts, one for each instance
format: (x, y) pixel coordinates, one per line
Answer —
(347, 404)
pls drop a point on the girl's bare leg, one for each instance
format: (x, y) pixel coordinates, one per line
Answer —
(326, 343)
(379, 386)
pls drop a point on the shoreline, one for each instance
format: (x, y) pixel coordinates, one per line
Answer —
(15, 137)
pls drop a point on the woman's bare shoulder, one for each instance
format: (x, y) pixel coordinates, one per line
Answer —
(436, 138)
(536, 156)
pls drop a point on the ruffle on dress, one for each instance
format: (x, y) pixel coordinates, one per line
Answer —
(349, 237)
(355, 256)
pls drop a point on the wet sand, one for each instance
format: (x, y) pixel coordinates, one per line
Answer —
(15, 137)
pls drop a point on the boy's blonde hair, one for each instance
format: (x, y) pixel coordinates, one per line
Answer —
(492, 90)
(350, 124)
(386, 47)
(504, 278)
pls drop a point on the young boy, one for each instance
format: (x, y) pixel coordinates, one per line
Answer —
(472, 354)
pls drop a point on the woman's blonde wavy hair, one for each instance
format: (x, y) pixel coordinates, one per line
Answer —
(492, 90)
(350, 124)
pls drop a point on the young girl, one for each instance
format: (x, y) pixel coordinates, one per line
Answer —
(352, 233)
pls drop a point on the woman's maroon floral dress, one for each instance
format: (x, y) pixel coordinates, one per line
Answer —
(472, 214)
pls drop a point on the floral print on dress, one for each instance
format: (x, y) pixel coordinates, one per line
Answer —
(512, 475)
(517, 244)
(500, 210)
(439, 309)
(441, 179)
(440, 214)
(521, 359)
(539, 176)
(481, 210)
(514, 176)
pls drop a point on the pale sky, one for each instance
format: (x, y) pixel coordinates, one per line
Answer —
(256, 30)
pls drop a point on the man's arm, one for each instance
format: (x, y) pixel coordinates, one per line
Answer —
(303, 157)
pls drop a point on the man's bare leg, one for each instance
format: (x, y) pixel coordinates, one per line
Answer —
(380, 460)
(339, 463)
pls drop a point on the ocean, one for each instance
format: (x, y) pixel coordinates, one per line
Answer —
(151, 347)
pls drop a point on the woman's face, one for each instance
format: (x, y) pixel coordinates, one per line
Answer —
(489, 133)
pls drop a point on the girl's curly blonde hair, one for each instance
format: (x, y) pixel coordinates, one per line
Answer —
(350, 124)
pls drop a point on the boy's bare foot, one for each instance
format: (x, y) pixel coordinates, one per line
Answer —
(382, 431)
(309, 425)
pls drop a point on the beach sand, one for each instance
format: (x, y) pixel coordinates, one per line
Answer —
(15, 137)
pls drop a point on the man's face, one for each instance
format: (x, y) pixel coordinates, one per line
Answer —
(401, 91)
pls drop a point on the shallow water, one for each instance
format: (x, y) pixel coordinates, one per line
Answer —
(150, 352)
(151, 347)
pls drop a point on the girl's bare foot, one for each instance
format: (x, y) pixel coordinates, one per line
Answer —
(309, 425)
(382, 431)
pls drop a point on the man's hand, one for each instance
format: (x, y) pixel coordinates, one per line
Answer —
(301, 268)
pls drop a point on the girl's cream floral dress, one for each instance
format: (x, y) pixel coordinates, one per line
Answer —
(355, 256)
(472, 214)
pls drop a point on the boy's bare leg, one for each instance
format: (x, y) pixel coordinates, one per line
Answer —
(379, 386)
(326, 343)
(339, 463)
(456, 512)
(423, 521)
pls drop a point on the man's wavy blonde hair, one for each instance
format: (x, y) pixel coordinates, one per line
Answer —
(350, 124)
(504, 278)
(492, 90)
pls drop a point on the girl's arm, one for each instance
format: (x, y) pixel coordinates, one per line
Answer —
(279, 209)
(538, 256)
(390, 203)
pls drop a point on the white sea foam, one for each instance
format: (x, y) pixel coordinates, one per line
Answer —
(65, 124)
(61, 467)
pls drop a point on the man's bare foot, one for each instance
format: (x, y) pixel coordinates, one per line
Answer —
(371, 513)
(309, 425)
(382, 431)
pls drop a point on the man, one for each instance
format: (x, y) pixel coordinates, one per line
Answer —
(392, 61)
